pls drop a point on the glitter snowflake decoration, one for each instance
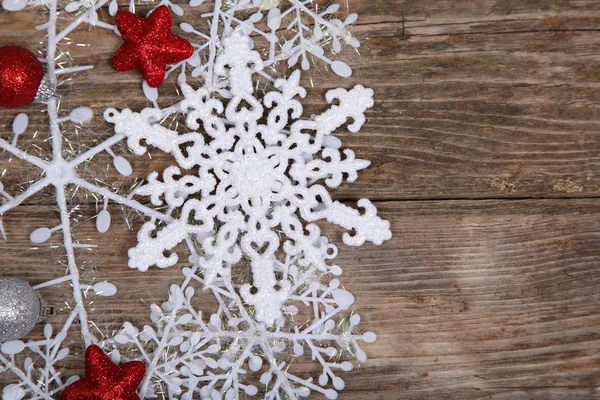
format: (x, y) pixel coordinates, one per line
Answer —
(252, 201)
(253, 178)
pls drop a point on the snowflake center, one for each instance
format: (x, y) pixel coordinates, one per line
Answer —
(61, 172)
(253, 176)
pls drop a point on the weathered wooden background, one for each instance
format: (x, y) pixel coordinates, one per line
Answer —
(486, 159)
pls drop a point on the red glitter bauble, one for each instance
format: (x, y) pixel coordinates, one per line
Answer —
(104, 380)
(149, 45)
(20, 76)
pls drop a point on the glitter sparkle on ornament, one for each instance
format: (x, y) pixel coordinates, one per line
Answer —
(21, 307)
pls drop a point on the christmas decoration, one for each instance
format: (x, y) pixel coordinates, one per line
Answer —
(257, 183)
(21, 308)
(294, 32)
(36, 371)
(104, 380)
(212, 355)
(149, 45)
(20, 76)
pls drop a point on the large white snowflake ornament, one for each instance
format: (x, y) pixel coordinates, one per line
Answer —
(246, 190)
(253, 178)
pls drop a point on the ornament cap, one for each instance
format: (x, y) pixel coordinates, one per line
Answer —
(45, 92)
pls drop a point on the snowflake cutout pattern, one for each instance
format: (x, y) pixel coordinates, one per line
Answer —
(188, 355)
(254, 181)
(308, 43)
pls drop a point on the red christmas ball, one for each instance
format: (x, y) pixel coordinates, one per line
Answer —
(20, 76)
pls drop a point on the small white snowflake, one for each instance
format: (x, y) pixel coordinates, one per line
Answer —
(293, 30)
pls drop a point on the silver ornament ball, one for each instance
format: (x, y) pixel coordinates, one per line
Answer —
(21, 308)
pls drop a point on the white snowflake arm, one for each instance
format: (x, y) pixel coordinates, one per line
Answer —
(142, 126)
(368, 226)
(153, 243)
(305, 247)
(174, 191)
(286, 106)
(307, 136)
(331, 168)
(353, 104)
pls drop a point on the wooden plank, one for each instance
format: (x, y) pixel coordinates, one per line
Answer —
(474, 99)
(487, 299)
(470, 299)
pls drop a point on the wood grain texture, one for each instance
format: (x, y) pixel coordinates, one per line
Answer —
(475, 99)
(470, 299)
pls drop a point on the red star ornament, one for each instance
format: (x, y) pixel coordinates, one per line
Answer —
(104, 380)
(149, 44)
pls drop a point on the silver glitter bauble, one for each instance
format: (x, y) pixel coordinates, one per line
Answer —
(21, 308)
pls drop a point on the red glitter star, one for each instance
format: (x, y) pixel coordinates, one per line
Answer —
(149, 45)
(104, 380)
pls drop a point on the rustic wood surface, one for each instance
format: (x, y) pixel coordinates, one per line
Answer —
(486, 160)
